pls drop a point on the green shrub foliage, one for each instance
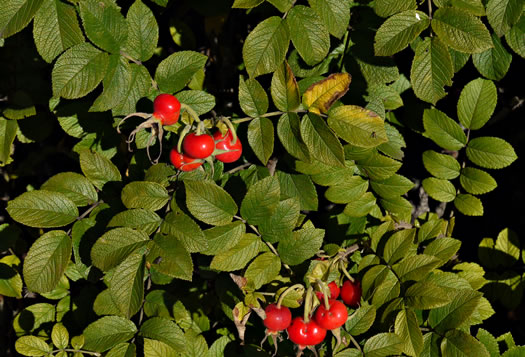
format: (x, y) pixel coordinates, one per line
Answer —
(111, 250)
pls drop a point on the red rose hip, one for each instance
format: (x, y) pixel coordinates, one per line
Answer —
(277, 319)
(198, 146)
(166, 108)
(351, 293)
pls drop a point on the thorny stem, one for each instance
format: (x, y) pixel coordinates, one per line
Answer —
(125, 55)
(274, 251)
(242, 120)
(190, 111)
(355, 343)
(308, 304)
(239, 168)
(86, 213)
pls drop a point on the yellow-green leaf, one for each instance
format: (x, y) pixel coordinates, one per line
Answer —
(320, 96)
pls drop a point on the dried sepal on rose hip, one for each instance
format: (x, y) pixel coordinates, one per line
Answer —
(166, 112)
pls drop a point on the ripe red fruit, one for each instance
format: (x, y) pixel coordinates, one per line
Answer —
(183, 162)
(305, 333)
(334, 292)
(332, 318)
(224, 142)
(351, 293)
(166, 108)
(198, 146)
(277, 319)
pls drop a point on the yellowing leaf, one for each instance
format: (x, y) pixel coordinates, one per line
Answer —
(321, 95)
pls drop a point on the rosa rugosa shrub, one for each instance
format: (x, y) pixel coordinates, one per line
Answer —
(289, 149)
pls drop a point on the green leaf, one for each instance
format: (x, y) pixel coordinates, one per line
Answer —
(431, 70)
(138, 86)
(321, 141)
(334, 14)
(39, 314)
(399, 245)
(10, 282)
(143, 194)
(118, 76)
(490, 342)
(459, 343)
(358, 126)
(503, 14)
(8, 130)
(60, 336)
(141, 219)
(490, 152)
(78, 71)
(301, 187)
(121, 350)
(453, 315)
(459, 59)
(460, 30)
(198, 100)
(361, 206)
(282, 221)
(175, 261)
(32, 346)
(261, 200)
(108, 332)
(252, 97)
(508, 243)
(416, 267)
(439, 189)
(475, 7)
(378, 167)
(238, 257)
(115, 246)
(383, 344)
(223, 238)
(209, 203)
(74, 186)
(218, 347)
(265, 47)
(104, 304)
(284, 89)
(425, 296)
(407, 328)
(515, 351)
(263, 269)
(395, 185)
(443, 130)
(469, 205)
(126, 284)
(320, 96)
(493, 63)
(98, 169)
(246, 4)
(43, 209)
(301, 245)
(154, 348)
(16, 14)
(398, 31)
(347, 191)
(477, 103)
(476, 181)
(175, 71)
(261, 138)
(443, 248)
(515, 37)
(56, 29)
(289, 132)
(361, 320)
(105, 26)
(143, 32)
(308, 33)
(186, 230)
(441, 165)
(386, 8)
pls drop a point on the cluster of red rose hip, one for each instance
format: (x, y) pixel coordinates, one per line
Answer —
(313, 331)
(196, 147)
